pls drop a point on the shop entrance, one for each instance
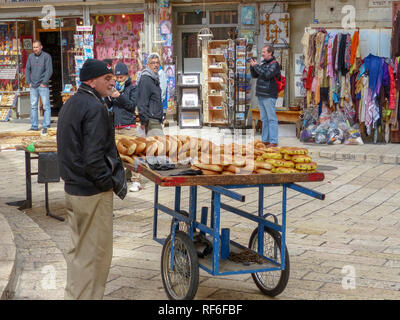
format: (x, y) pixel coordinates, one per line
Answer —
(51, 44)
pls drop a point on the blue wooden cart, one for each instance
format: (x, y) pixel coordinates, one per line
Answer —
(180, 260)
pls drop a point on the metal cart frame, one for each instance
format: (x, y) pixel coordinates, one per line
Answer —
(217, 263)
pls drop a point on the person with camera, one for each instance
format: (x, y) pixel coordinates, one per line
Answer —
(266, 74)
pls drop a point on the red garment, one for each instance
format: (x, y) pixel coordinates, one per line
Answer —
(354, 46)
(310, 78)
(392, 95)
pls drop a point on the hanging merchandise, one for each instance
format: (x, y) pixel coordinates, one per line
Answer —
(339, 81)
(120, 38)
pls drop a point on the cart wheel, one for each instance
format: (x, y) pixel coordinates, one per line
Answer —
(182, 226)
(181, 282)
(271, 283)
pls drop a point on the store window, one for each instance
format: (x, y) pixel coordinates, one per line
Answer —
(70, 48)
(16, 40)
(223, 33)
(190, 46)
(224, 17)
(190, 18)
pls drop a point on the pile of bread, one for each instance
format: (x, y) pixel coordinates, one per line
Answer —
(10, 140)
(228, 159)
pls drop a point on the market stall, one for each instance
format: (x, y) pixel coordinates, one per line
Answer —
(15, 45)
(179, 161)
(36, 147)
(348, 77)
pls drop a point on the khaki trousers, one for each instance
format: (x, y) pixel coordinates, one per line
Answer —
(89, 259)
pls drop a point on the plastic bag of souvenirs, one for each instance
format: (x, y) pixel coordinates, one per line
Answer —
(335, 136)
(354, 136)
(309, 125)
(308, 134)
(321, 133)
(338, 128)
(325, 116)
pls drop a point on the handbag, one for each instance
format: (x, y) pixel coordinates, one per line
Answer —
(281, 83)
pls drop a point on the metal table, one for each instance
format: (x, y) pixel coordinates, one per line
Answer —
(27, 203)
(180, 260)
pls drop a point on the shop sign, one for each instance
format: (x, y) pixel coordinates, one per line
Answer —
(84, 28)
(380, 3)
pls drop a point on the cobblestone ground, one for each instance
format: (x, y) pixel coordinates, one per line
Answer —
(356, 230)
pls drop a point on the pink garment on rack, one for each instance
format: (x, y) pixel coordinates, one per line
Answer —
(330, 71)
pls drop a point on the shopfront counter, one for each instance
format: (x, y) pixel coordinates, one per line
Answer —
(282, 115)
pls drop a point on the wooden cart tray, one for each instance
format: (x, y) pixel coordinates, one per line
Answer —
(162, 178)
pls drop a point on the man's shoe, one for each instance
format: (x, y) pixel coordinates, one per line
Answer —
(272, 145)
(44, 131)
(33, 129)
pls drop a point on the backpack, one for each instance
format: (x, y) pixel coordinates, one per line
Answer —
(280, 83)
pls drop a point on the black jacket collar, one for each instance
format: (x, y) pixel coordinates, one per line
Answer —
(270, 60)
(85, 88)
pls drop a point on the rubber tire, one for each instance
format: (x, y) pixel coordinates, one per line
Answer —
(284, 277)
(194, 265)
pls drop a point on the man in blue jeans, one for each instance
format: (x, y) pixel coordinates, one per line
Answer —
(39, 69)
(267, 94)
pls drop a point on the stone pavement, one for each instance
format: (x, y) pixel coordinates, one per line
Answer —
(354, 232)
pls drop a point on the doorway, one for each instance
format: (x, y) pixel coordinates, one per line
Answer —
(51, 44)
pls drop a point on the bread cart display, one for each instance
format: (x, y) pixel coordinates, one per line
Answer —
(200, 242)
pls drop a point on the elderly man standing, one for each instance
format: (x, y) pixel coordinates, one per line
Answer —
(149, 101)
(267, 94)
(87, 156)
(39, 69)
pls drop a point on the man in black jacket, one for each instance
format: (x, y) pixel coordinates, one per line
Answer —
(267, 94)
(149, 98)
(123, 104)
(86, 145)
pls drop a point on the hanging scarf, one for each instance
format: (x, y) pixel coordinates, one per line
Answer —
(330, 72)
(392, 95)
(354, 46)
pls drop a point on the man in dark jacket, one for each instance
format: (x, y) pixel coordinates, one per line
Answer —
(39, 69)
(85, 141)
(123, 104)
(123, 101)
(267, 94)
(149, 98)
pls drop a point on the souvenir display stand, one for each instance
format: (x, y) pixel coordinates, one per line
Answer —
(189, 101)
(215, 107)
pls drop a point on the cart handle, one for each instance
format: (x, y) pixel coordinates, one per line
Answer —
(306, 191)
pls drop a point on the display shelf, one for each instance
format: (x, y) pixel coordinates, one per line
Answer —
(215, 69)
(189, 102)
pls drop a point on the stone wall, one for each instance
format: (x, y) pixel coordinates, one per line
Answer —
(330, 11)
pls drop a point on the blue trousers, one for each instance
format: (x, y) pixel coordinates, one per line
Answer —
(269, 120)
(44, 94)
